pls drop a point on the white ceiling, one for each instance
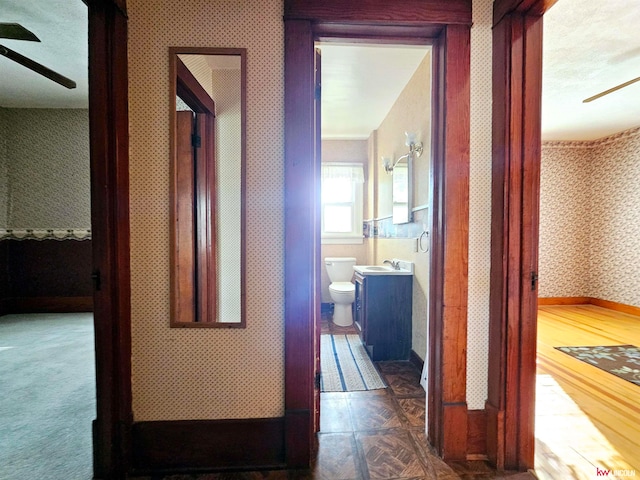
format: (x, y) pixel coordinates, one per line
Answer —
(61, 26)
(590, 46)
(360, 84)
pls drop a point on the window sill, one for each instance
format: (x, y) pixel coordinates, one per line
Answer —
(342, 240)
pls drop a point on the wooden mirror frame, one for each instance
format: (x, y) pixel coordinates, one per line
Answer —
(201, 305)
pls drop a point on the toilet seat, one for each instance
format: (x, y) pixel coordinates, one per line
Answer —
(342, 287)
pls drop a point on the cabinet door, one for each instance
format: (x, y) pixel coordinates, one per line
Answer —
(388, 313)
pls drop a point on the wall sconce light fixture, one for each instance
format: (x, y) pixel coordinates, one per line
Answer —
(415, 150)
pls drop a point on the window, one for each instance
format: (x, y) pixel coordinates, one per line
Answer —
(342, 202)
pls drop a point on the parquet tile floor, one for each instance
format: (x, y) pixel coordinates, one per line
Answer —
(381, 434)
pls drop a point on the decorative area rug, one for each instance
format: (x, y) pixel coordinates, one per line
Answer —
(621, 360)
(345, 365)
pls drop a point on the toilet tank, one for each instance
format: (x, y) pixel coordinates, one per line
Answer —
(340, 269)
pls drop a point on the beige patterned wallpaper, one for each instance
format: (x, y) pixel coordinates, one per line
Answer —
(479, 205)
(590, 219)
(206, 373)
(411, 112)
(44, 169)
(565, 199)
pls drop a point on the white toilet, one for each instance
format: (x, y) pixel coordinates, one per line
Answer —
(343, 292)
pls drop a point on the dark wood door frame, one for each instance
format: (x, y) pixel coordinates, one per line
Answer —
(517, 90)
(109, 163)
(447, 25)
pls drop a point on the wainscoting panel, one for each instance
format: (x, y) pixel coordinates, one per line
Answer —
(4, 278)
(46, 276)
(208, 445)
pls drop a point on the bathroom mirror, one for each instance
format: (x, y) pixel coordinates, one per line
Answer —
(401, 190)
(208, 127)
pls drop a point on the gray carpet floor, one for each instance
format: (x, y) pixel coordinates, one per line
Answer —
(47, 396)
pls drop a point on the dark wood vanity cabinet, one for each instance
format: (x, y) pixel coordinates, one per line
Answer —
(383, 309)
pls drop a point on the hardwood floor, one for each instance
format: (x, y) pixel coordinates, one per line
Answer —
(586, 418)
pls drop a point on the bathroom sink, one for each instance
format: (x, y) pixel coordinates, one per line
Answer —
(406, 269)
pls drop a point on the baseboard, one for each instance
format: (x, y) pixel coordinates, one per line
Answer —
(164, 447)
(619, 307)
(476, 434)
(50, 304)
(563, 300)
(415, 359)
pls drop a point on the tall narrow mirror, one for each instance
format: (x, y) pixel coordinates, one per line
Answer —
(208, 116)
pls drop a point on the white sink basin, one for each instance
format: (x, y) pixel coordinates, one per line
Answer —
(381, 270)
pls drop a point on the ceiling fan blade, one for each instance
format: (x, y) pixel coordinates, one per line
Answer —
(37, 67)
(15, 31)
(611, 90)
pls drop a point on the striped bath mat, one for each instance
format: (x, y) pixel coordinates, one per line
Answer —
(345, 365)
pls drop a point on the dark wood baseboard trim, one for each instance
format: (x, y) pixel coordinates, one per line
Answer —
(476, 434)
(182, 446)
(619, 307)
(299, 439)
(46, 305)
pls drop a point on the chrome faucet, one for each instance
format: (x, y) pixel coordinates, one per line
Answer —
(394, 265)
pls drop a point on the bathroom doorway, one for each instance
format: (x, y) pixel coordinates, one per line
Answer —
(371, 94)
(367, 405)
(449, 34)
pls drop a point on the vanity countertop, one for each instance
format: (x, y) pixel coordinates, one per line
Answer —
(406, 268)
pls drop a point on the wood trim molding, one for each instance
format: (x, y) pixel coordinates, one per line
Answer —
(450, 199)
(447, 389)
(619, 307)
(378, 11)
(501, 8)
(301, 242)
(517, 85)
(109, 163)
(164, 447)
